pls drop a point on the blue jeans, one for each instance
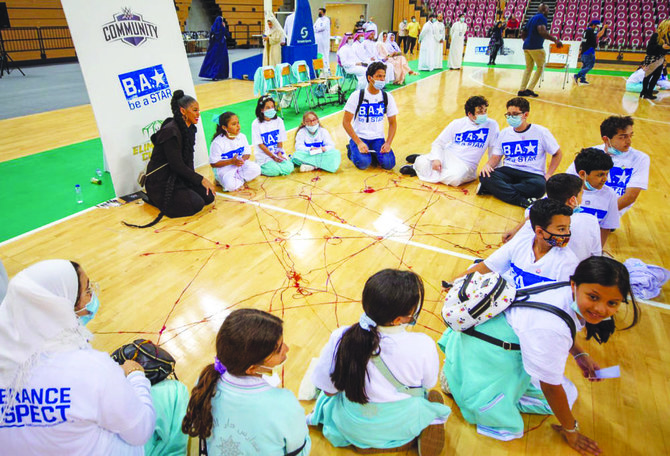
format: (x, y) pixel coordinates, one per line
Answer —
(588, 61)
(363, 161)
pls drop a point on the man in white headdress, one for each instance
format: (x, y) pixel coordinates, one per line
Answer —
(272, 38)
(350, 61)
(370, 26)
(322, 37)
(428, 44)
(440, 35)
(457, 35)
(288, 27)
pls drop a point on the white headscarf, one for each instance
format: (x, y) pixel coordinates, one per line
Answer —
(37, 317)
(391, 46)
(275, 25)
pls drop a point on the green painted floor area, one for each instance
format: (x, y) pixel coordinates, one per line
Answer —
(572, 70)
(39, 189)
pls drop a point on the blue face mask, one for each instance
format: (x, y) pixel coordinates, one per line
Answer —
(612, 151)
(514, 121)
(312, 128)
(577, 210)
(588, 186)
(270, 113)
(379, 85)
(574, 307)
(481, 119)
(92, 307)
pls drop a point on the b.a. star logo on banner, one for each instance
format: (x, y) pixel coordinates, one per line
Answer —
(130, 28)
(145, 87)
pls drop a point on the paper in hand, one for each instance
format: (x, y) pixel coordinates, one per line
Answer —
(609, 372)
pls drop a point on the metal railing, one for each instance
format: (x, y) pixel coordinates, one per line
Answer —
(30, 39)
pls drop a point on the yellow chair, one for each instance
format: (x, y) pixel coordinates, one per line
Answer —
(561, 60)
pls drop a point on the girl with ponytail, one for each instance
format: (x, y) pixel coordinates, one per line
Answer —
(234, 405)
(493, 385)
(229, 154)
(172, 184)
(374, 375)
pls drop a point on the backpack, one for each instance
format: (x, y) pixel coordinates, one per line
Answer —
(361, 96)
(476, 298)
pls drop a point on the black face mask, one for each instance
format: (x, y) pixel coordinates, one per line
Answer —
(320, 14)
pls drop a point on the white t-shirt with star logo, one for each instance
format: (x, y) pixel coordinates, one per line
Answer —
(466, 140)
(369, 123)
(631, 169)
(526, 151)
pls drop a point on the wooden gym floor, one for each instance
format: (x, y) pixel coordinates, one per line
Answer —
(302, 247)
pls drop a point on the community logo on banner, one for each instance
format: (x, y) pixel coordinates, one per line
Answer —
(145, 86)
(132, 59)
(130, 28)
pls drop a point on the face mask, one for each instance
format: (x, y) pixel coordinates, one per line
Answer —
(481, 119)
(320, 14)
(379, 85)
(462, 19)
(92, 307)
(272, 377)
(574, 305)
(270, 113)
(312, 128)
(612, 151)
(350, 42)
(361, 39)
(433, 20)
(577, 210)
(413, 20)
(404, 22)
(588, 186)
(557, 240)
(229, 136)
(514, 121)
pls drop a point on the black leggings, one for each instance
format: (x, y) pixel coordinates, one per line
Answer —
(649, 82)
(186, 200)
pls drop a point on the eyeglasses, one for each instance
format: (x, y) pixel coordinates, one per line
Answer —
(508, 115)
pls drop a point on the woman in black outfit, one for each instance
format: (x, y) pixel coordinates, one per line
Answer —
(657, 47)
(496, 41)
(172, 183)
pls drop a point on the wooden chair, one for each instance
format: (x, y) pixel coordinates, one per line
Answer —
(303, 82)
(561, 61)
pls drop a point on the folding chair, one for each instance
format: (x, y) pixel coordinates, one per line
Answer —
(284, 88)
(560, 60)
(301, 80)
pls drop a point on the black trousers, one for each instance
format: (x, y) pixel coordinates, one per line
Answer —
(514, 186)
(649, 82)
(186, 199)
(402, 43)
(412, 43)
(494, 53)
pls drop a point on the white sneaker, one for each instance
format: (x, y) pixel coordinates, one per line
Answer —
(444, 385)
(306, 168)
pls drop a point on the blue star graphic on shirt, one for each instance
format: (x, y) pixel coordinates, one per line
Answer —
(473, 138)
(524, 278)
(525, 150)
(619, 179)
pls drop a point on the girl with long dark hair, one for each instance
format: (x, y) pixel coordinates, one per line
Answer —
(234, 406)
(493, 385)
(374, 375)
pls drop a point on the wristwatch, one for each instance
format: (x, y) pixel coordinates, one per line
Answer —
(574, 429)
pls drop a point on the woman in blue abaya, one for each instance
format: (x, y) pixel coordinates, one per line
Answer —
(215, 65)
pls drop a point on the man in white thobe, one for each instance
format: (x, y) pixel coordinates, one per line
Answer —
(351, 62)
(439, 31)
(370, 26)
(288, 27)
(322, 37)
(427, 45)
(457, 34)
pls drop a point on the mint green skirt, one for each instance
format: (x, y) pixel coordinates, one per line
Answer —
(374, 425)
(327, 161)
(488, 383)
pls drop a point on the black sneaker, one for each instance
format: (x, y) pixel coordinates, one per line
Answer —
(411, 158)
(532, 94)
(408, 170)
(348, 152)
(528, 202)
(523, 93)
(585, 82)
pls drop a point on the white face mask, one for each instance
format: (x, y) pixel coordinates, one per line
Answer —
(312, 128)
(272, 374)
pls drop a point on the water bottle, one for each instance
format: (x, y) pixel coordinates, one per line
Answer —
(98, 172)
(78, 195)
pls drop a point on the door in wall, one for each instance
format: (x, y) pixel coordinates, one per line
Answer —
(343, 17)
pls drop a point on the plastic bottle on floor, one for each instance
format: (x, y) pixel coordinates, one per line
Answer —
(79, 197)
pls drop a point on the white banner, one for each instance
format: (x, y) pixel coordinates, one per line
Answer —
(132, 59)
(512, 52)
